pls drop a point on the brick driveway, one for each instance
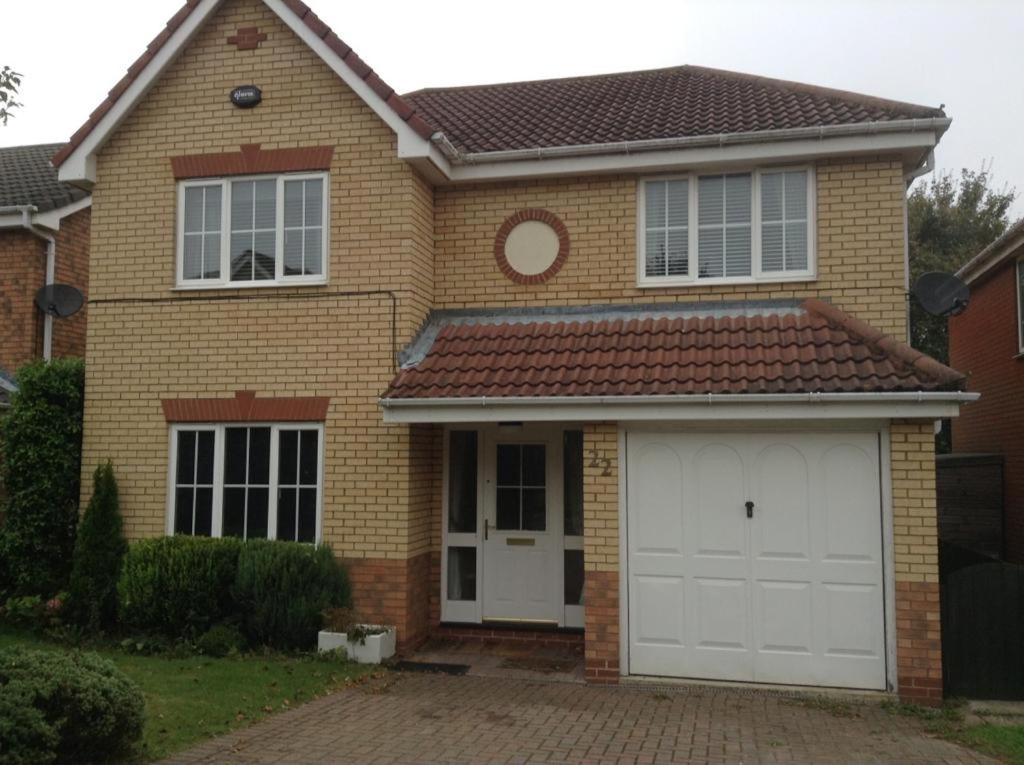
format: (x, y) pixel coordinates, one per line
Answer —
(416, 718)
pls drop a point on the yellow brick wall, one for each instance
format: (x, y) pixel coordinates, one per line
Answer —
(601, 497)
(860, 244)
(182, 344)
(915, 534)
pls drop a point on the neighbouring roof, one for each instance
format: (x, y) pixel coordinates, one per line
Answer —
(577, 111)
(28, 178)
(999, 250)
(679, 102)
(768, 347)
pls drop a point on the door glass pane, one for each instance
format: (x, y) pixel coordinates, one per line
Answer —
(508, 509)
(462, 470)
(461, 573)
(574, 577)
(509, 463)
(572, 469)
(521, 498)
(533, 465)
(534, 510)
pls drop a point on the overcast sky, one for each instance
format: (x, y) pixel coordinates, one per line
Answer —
(961, 53)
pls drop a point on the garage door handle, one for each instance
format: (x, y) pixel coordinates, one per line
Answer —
(750, 509)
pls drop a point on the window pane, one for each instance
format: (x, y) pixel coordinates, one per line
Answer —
(508, 510)
(186, 456)
(263, 257)
(314, 252)
(710, 200)
(678, 203)
(293, 203)
(288, 457)
(737, 198)
(796, 195)
(307, 515)
(192, 264)
(572, 469)
(462, 470)
(204, 466)
(574, 577)
(241, 205)
(309, 457)
(534, 509)
(509, 465)
(257, 514)
(241, 257)
(233, 524)
(266, 204)
(533, 465)
(212, 209)
(654, 253)
(315, 203)
(461, 573)
(771, 197)
(293, 252)
(259, 455)
(287, 506)
(654, 204)
(796, 246)
(737, 251)
(211, 256)
(204, 512)
(235, 454)
(771, 247)
(183, 510)
(678, 252)
(710, 253)
(194, 204)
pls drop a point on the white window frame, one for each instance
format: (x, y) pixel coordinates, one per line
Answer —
(224, 282)
(757, 274)
(216, 524)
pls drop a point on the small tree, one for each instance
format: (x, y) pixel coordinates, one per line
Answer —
(41, 444)
(10, 81)
(99, 553)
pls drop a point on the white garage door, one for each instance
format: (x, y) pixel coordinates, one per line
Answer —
(787, 591)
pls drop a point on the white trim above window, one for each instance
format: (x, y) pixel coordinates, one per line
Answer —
(737, 227)
(253, 231)
(249, 480)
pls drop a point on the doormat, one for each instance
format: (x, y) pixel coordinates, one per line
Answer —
(432, 667)
(535, 664)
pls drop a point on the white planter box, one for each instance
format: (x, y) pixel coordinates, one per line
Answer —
(374, 650)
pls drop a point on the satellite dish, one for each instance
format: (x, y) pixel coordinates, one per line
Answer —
(60, 300)
(941, 294)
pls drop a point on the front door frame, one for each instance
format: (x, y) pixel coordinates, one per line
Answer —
(488, 436)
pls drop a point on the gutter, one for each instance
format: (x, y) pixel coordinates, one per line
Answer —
(930, 124)
(921, 397)
(27, 212)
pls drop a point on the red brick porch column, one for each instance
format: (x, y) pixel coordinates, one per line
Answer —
(601, 551)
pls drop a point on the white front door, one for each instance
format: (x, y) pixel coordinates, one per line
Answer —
(785, 589)
(522, 546)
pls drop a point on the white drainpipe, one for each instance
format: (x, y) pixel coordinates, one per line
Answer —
(27, 212)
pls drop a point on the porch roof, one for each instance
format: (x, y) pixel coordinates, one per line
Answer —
(758, 348)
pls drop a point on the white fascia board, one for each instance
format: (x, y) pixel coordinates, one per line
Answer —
(51, 218)
(696, 157)
(972, 272)
(80, 167)
(701, 408)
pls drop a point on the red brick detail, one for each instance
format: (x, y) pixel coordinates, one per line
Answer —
(245, 407)
(22, 273)
(918, 643)
(72, 267)
(602, 631)
(983, 343)
(250, 159)
(247, 38)
(486, 635)
(394, 592)
(542, 216)
(401, 106)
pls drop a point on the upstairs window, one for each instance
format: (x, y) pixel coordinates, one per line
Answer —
(722, 228)
(252, 231)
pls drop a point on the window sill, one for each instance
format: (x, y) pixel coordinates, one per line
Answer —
(743, 281)
(247, 285)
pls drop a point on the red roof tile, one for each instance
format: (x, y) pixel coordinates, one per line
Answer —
(631, 106)
(813, 347)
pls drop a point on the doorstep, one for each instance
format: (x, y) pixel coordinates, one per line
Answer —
(509, 659)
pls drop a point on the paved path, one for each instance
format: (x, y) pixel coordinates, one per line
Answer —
(417, 718)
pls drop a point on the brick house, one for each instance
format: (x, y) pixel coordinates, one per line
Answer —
(44, 238)
(987, 343)
(634, 372)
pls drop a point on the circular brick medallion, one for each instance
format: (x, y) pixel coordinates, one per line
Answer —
(531, 246)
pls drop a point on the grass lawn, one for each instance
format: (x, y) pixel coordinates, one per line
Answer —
(1003, 741)
(191, 699)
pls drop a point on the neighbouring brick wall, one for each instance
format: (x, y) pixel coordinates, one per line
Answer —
(915, 546)
(983, 343)
(183, 344)
(601, 550)
(72, 267)
(22, 273)
(970, 501)
(860, 244)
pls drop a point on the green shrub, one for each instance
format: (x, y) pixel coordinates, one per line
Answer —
(99, 552)
(178, 586)
(94, 711)
(221, 640)
(282, 590)
(25, 736)
(34, 613)
(41, 443)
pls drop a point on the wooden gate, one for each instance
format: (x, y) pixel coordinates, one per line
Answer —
(983, 631)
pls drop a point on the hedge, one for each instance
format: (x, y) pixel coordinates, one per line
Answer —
(66, 707)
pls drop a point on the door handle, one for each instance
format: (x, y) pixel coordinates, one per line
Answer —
(750, 509)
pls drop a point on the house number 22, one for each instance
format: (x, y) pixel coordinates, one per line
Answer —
(597, 461)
